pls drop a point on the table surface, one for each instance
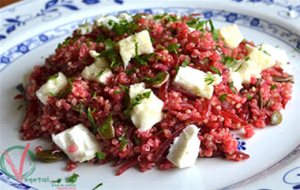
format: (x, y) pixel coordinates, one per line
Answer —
(6, 2)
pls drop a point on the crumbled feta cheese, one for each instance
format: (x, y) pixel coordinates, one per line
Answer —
(196, 82)
(231, 35)
(107, 21)
(276, 54)
(125, 16)
(52, 87)
(149, 111)
(128, 46)
(85, 28)
(185, 149)
(86, 144)
(98, 71)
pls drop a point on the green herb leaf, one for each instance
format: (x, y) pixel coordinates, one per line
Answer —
(273, 87)
(213, 31)
(97, 186)
(79, 108)
(123, 27)
(231, 86)
(73, 178)
(91, 118)
(53, 76)
(136, 49)
(230, 62)
(197, 24)
(173, 48)
(209, 79)
(185, 63)
(216, 70)
(160, 77)
(123, 142)
(107, 130)
(222, 98)
(138, 99)
(67, 90)
(249, 97)
(143, 60)
(100, 155)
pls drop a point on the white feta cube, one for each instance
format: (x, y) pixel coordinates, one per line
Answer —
(185, 149)
(196, 82)
(85, 28)
(52, 87)
(128, 46)
(236, 79)
(231, 35)
(78, 143)
(97, 71)
(262, 59)
(149, 111)
(278, 55)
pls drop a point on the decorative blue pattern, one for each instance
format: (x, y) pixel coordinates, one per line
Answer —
(241, 144)
(265, 26)
(287, 8)
(14, 183)
(52, 8)
(292, 177)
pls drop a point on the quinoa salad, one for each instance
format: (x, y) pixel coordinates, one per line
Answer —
(150, 91)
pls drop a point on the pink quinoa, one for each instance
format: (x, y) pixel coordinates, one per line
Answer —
(228, 110)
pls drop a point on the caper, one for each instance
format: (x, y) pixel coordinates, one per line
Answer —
(276, 118)
(49, 156)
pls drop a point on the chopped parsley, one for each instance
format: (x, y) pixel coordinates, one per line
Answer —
(90, 117)
(173, 48)
(138, 98)
(185, 63)
(249, 96)
(213, 31)
(73, 178)
(52, 77)
(229, 61)
(135, 101)
(232, 87)
(67, 90)
(123, 142)
(273, 87)
(79, 108)
(166, 17)
(100, 73)
(222, 98)
(216, 70)
(100, 155)
(159, 78)
(209, 79)
(197, 24)
(123, 27)
(110, 53)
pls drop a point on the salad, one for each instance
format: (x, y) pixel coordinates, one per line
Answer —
(151, 91)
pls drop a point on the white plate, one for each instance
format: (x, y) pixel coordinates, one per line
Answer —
(31, 30)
